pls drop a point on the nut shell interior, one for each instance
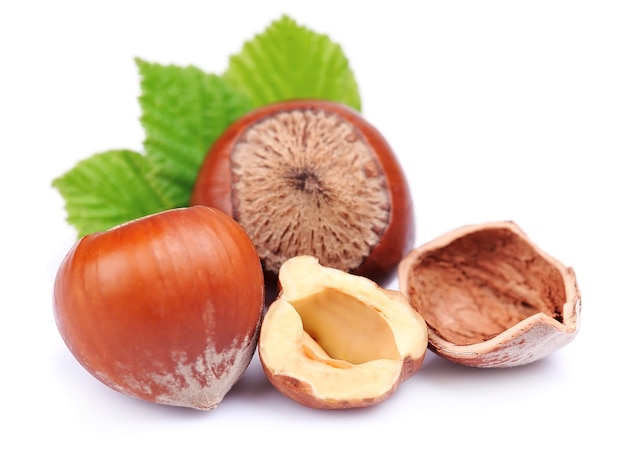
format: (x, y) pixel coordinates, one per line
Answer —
(491, 297)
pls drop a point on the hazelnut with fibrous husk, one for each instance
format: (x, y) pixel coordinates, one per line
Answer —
(312, 177)
(491, 297)
(334, 340)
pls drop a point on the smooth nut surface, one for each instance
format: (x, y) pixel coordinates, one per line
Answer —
(334, 340)
(491, 297)
(157, 308)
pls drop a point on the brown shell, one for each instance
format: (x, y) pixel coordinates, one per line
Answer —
(491, 297)
(156, 308)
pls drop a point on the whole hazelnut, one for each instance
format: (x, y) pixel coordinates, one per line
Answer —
(165, 308)
(312, 177)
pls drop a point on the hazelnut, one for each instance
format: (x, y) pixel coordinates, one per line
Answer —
(312, 177)
(165, 308)
(491, 297)
(335, 340)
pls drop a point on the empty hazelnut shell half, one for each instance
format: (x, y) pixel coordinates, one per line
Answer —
(491, 297)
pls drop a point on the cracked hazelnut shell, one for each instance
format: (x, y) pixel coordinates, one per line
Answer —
(333, 340)
(491, 297)
(312, 177)
(165, 308)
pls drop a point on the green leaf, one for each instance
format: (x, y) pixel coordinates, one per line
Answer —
(289, 61)
(183, 111)
(107, 189)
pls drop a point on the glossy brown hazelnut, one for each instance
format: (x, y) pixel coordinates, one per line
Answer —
(165, 308)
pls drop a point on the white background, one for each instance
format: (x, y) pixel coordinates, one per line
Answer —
(497, 110)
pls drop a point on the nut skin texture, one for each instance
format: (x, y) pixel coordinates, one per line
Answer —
(491, 297)
(166, 308)
(302, 392)
(358, 366)
(214, 184)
